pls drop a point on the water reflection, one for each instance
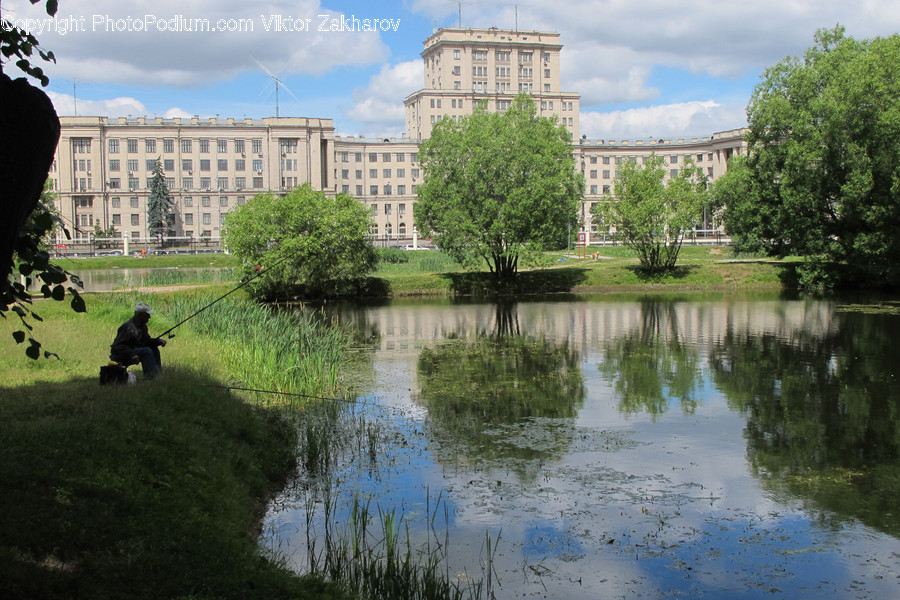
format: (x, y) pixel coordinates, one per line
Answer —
(624, 446)
(822, 413)
(652, 365)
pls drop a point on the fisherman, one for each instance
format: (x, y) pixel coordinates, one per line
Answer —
(134, 345)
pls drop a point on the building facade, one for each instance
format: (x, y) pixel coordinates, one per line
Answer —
(103, 166)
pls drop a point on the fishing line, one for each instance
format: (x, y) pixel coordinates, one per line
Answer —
(189, 317)
(243, 389)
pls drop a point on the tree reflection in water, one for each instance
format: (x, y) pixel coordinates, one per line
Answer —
(822, 414)
(652, 365)
(480, 392)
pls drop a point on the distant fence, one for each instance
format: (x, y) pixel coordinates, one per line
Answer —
(138, 246)
(699, 237)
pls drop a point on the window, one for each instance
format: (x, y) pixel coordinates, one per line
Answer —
(241, 201)
(258, 165)
(386, 173)
(401, 190)
(132, 146)
(188, 201)
(256, 145)
(605, 160)
(401, 172)
(151, 164)
(345, 173)
(240, 182)
(221, 146)
(358, 173)
(204, 145)
(359, 191)
(188, 218)
(133, 202)
(699, 158)
(257, 182)
(135, 218)
(387, 208)
(113, 146)
(387, 190)
(115, 202)
(222, 164)
(373, 190)
(289, 146)
(169, 164)
(414, 173)
(605, 173)
(345, 189)
(373, 156)
(414, 156)
(673, 159)
(150, 145)
(134, 183)
(593, 160)
(115, 183)
(239, 146)
(457, 70)
(709, 171)
(222, 183)
(204, 201)
(502, 55)
(547, 73)
(593, 173)
(605, 189)
(114, 164)
(373, 173)
(186, 145)
(223, 201)
(401, 208)
(357, 156)
(187, 164)
(547, 89)
(205, 183)
(525, 57)
(117, 219)
(479, 55)
(594, 189)
(207, 219)
(204, 164)
(456, 54)
(673, 173)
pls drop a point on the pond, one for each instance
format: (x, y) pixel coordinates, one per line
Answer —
(107, 280)
(716, 447)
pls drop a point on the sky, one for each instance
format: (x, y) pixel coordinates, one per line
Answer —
(644, 69)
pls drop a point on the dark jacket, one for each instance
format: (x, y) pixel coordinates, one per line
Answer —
(132, 335)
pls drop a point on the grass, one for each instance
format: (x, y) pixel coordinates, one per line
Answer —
(184, 261)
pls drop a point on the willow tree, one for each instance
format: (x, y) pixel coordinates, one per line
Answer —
(497, 186)
(823, 176)
(652, 211)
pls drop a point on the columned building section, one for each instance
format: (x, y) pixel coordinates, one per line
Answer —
(468, 67)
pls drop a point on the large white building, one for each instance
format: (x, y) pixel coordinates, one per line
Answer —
(103, 166)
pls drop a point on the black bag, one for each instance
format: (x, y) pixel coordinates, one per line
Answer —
(113, 374)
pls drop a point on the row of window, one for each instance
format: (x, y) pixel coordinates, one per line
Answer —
(373, 189)
(187, 164)
(500, 55)
(205, 183)
(673, 159)
(385, 156)
(187, 145)
(373, 173)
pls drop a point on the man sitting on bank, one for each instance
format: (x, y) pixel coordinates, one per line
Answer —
(134, 345)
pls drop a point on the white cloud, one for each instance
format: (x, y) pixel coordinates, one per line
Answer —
(700, 118)
(378, 107)
(66, 104)
(194, 53)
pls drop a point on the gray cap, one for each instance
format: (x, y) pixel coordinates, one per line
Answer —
(141, 307)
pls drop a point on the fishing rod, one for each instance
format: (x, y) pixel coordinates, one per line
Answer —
(191, 316)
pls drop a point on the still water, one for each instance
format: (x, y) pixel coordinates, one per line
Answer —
(621, 447)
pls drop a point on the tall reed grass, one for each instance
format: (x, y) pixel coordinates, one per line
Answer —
(180, 277)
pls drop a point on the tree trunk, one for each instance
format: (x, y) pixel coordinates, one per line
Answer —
(29, 132)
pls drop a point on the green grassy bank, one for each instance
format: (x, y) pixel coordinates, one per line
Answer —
(153, 490)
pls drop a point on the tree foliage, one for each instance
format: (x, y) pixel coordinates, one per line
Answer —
(823, 176)
(159, 203)
(652, 215)
(498, 186)
(29, 132)
(314, 245)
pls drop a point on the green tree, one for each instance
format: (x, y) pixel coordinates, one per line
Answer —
(159, 203)
(823, 176)
(315, 245)
(498, 186)
(651, 215)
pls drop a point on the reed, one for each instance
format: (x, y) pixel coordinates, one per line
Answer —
(177, 276)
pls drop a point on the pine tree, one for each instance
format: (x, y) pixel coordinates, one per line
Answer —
(159, 204)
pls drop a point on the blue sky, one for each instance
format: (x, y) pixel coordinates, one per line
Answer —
(644, 69)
